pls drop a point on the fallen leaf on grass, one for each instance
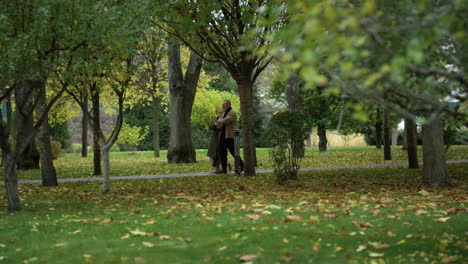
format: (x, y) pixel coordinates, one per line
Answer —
(286, 259)
(379, 245)
(420, 212)
(360, 248)
(361, 225)
(248, 258)
(423, 193)
(147, 244)
(376, 255)
(165, 237)
(253, 216)
(137, 232)
(314, 219)
(222, 248)
(293, 218)
(442, 219)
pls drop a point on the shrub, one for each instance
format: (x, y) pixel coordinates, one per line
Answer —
(56, 149)
(286, 132)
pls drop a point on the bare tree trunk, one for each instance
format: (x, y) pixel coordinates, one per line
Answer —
(378, 130)
(156, 109)
(84, 130)
(96, 118)
(9, 170)
(11, 182)
(9, 113)
(387, 136)
(245, 93)
(309, 141)
(106, 169)
(28, 158)
(434, 162)
(182, 94)
(411, 143)
(395, 137)
(294, 103)
(49, 176)
(322, 134)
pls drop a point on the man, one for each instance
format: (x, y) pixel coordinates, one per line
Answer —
(227, 124)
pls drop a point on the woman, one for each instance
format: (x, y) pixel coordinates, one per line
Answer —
(213, 145)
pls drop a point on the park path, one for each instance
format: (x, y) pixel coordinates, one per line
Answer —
(159, 176)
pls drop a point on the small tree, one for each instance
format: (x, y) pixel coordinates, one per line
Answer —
(287, 129)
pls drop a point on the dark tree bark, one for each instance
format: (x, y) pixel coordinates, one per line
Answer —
(29, 157)
(9, 170)
(49, 176)
(434, 162)
(322, 134)
(411, 143)
(247, 121)
(378, 129)
(294, 103)
(84, 130)
(9, 113)
(156, 110)
(95, 101)
(387, 135)
(182, 94)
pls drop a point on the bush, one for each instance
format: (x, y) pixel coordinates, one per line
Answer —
(56, 149)
(286, 133)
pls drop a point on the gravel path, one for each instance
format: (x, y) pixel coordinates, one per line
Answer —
(159, 176)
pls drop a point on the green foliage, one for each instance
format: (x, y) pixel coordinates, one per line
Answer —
(287, 131)
(208, 102)
(131, 136)
(56, 149)
(61, 133)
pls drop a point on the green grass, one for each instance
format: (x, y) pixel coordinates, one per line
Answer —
(323, 217)
(143, 162)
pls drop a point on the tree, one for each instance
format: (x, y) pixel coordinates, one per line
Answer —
(420, 58)
(222, 31)
(182, 89)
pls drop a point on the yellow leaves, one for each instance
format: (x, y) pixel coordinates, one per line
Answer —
(361, 248)
(442, 219)
(74, 232)
(137, 232)
(147, 244)
(314, 219)
(376, 255)
(391, 234)
(87, 258)
(222, 248)
(400, 242)
(361, 225)
(61, 244)
(165, 237)
(423, 192)
(248, 258)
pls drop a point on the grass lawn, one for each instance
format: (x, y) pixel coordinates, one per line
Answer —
(143, 162)
(371, 215)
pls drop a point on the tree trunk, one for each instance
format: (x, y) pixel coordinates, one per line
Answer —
(156, 109)
(411, 143)
(404, 145)
(309, 141)
(378, 130)
(434, 162)
(49, 176)
(322, 134)
(294, 103)
(182, 94)
(387, 136)
(11, 182)
(106, 169)
(395, 137)
(9, 170)
(245, 93)
(29, 157)
(9, 113)
(84, 130)
(96, 118)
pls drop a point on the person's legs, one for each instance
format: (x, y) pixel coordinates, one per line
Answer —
(223, 152)
(230, 146)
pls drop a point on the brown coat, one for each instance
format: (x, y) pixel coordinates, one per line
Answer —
(229, 122)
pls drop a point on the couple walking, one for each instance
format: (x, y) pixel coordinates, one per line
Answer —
(222, 138)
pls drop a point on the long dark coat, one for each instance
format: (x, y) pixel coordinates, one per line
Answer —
(213, 145)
